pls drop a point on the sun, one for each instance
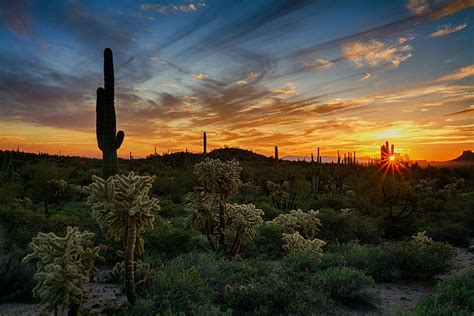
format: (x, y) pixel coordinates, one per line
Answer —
(392, 158)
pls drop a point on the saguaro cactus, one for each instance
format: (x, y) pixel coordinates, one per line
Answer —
(204, 141)
(107, 137)
(276, 153)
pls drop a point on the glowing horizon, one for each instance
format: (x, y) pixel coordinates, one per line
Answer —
(252, 76)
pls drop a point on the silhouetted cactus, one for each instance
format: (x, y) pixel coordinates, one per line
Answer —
(276, 153)
(64, 265)
(204, 144)
(107, 137)
(122, 207)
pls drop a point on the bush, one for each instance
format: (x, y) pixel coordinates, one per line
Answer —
(343, 283)
(267, 243)
(451, 297)
(417, 261)
(392, 261)
(17, 279)
(346, 226)
(176, 289)
(19, 226)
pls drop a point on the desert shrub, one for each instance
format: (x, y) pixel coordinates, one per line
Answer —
(267, 243)
(17, 278)
(454, 296)
(175, 289)
(19, 225)
(182, 239)
(58, 222)
(407, 260)
(344, 283)
(419, 261)
(348, 225)
(301, 266)
(455, 233)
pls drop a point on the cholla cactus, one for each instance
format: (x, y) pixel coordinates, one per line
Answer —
(122, 207)
(422, 238)
(305, 223)
(242, 222)
(64, 265)
(215, 176)
(296, 244)
(226, 226)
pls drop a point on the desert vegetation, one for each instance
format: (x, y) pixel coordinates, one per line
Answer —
(232, 233)
(229, 232)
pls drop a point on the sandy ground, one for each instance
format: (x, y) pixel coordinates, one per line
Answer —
(393, 296)
(100, 299)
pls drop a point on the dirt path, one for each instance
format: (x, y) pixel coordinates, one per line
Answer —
(100, 298)
(395, 297)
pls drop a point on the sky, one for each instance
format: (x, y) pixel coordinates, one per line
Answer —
(339, 75)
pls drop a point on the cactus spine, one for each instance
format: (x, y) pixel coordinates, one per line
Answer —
(108, 139)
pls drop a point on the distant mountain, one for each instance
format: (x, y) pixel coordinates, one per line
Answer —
(467, 155)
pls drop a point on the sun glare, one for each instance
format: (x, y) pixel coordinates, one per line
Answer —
(392, 158)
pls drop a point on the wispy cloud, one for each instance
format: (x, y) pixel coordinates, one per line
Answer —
(418, 7)
(459, 74)
(448, 29)
(376, 54)
(201, 76)
(173, 8)
(320, 63)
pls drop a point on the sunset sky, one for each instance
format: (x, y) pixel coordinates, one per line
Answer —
(344, 75)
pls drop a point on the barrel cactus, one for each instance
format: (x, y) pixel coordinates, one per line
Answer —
(108, 139)
(64, 265)
(124, 210)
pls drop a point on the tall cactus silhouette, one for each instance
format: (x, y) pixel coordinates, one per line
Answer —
(107, 137)
(204, 144)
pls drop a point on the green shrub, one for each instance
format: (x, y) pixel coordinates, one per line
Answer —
(451, 297)
(392, 261)
(344, 226)
(418, 261)
(343, 283)
(19, 226)
(16, 279)
(181, 239)
(267, 243)
(175, 288)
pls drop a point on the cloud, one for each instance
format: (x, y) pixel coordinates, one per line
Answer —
(201, 76)
(15, 17)
(447, 29)
(376, 54)
(289, 89)
(418, 7)
(459, 74)
(367, 76)
(251, 74)
(320, 63)
(468, 110)
(172, 8)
